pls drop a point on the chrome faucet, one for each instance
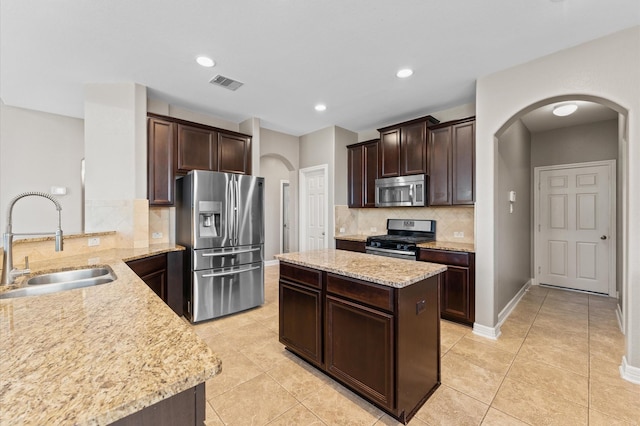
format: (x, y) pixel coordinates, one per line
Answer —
(9, 273)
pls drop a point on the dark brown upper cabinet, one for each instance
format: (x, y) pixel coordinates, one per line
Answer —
(452, 163)
(197, 149)
(161, 162)
(176, 147)
(403, 148)
(362, 161)
(234, 153)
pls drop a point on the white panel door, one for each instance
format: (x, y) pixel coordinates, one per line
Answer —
(316, 222)
(574, 235)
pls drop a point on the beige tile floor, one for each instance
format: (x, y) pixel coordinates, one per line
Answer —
(556, 363)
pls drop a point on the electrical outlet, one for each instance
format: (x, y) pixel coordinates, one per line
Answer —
(156, 235)
(342, 230)
(373, 229)
(95, 241)
(458, 235)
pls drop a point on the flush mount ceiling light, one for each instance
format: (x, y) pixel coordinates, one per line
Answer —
(404, 73)
(320, 107)
(564, 109)
(205, 61)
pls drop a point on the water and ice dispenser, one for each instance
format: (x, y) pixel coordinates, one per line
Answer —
(209, 218)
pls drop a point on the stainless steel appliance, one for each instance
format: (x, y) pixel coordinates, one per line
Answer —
(220, 220)
(402, 191)
(402, 238)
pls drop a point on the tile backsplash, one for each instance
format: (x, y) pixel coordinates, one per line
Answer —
(450, 221)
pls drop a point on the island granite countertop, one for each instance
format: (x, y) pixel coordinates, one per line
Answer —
(94, 355)
(367, 267)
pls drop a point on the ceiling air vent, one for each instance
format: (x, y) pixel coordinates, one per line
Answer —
(227, 83)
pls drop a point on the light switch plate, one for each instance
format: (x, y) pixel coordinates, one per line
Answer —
(95, 241)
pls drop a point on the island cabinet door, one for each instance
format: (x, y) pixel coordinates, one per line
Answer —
(301, 320)
(359, 350)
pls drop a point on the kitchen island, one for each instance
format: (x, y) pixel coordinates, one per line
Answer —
(370, 322)
(100, 354)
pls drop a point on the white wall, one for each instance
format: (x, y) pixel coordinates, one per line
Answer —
(342, 138)
(514, 233)
(318, 148)
(39, 150)
(605, 70)
(575, 144)
(279, 154)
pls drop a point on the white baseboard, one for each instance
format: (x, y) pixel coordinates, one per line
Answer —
(272, 262)
(504, 314)
(494, 332)
(489, 332)
(620, 318)
(629, 372)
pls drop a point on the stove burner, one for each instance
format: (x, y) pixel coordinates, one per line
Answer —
(404, 235)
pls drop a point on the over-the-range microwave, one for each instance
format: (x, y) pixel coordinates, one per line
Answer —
(402, 191)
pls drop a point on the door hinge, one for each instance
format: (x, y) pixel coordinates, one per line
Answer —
(539, 269)
(538, 227)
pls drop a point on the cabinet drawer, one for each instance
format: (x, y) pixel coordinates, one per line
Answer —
(148, 265)
(359, 246)
(302, 275)
(454, 258)
(370, 294)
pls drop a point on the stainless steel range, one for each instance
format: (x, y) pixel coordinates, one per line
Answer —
(402, 238)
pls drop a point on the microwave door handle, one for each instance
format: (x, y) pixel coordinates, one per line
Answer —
(411, 193)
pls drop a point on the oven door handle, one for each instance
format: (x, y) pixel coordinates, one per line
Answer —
(400, 252)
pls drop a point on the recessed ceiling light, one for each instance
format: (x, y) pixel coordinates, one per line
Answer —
(404, 73)
(205, 61)
(564, 109)
(320, 107)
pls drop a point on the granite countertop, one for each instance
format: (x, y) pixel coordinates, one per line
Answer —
(353, 237)
(367, 267)
(449, 246)
(435, 245)
(97, 354)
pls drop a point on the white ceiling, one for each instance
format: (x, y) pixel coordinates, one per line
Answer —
(542, 119)
(290, 54)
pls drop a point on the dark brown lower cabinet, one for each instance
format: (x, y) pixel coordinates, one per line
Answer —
(359, 246)
(163, 274)
(457, 293)
(185, 408)
(382, 342)
(359, 348)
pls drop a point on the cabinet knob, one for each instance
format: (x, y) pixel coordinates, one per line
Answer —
(604, 237)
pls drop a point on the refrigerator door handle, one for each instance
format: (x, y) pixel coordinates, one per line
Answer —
(236, 202)
(231, 253)
(229, 213)
(227, 273)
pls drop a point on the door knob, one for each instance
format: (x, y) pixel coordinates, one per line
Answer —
(323, 233)
(604, 237)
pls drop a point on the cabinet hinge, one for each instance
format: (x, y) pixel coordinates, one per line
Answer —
(189, 306)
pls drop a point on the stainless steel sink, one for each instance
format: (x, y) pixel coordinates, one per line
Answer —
(66, 276)
(63, 280)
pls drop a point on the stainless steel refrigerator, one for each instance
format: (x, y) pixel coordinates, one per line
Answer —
(220, 220)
